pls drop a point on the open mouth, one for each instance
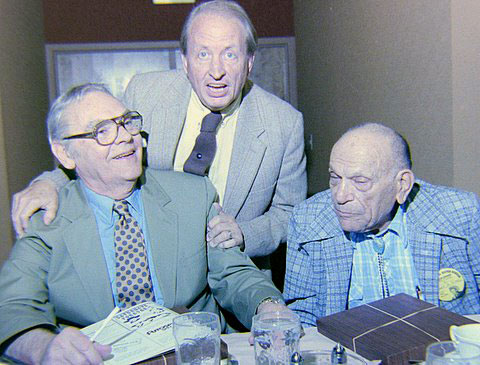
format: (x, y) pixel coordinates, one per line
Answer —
(124, 155)
(216, 87)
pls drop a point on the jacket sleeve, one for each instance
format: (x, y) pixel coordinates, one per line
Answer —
(264, 233)
(23, 290)
(300, 289)
(236, 283)
(57, 176)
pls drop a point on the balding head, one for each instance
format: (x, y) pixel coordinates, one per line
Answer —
(369, 174)
(398, 155)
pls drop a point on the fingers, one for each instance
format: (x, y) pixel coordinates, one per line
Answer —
(218, 207)
(73, 347)
(251, 340)
(40, 195)
(224, 232)
(17, 224)
(51, 210)
(103, 350)
(224, 239)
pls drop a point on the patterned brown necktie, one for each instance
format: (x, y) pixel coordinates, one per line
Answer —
(132, 279)
(203, 152)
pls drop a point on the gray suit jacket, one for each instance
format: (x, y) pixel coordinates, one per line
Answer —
(267, 172)
(57, 273)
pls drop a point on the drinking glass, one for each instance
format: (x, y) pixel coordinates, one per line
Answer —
(197, 338)
(276, 337)
(448, 352)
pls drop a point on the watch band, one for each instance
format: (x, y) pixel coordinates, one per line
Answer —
(274, 300)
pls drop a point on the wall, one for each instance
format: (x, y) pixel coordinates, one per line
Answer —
(24, 150)
(6, 233)
(73, 21)
(393, 62)
(466, 93)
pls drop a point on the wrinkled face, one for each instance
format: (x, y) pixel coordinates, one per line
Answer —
(363, 187)
(216, 62)
(104, 169)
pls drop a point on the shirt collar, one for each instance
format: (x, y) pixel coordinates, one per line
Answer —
(103, 205)
(397, 226)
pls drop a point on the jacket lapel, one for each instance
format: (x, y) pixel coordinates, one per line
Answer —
(169, 118)
(247, 155)
(162, 226)
(338, 263)
(427, 223)
(324, 234)
(84, 246)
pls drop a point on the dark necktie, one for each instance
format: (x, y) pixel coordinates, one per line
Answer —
(132, 279)
(203, 152)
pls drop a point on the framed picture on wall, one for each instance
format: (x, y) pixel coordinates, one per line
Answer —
(114, 64)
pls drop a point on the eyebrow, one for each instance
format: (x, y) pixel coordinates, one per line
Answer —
(93, 123)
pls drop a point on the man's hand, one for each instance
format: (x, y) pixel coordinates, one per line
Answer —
(41, 346)
(268, 306)
(72, 347)
(223, 230)
(42, 194)
(273, 307)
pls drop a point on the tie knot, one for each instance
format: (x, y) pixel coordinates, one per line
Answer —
(210, 122)
(121, 207)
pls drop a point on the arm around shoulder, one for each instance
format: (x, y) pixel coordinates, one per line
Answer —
(42, 193)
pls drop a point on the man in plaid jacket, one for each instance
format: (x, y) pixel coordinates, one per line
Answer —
(378, 232)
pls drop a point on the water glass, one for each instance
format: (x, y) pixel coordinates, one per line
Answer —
(448, 352)
(276, 337)
(468, 334)
(197, 338)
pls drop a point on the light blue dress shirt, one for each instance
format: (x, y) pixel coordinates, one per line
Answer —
(106, 218)
(382, 264)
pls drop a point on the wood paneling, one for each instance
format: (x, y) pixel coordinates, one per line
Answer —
(73, 21)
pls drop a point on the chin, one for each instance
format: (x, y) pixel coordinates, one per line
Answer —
(217, 104)
(352, 227)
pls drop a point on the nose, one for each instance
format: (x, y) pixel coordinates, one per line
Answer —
(342, 192)
(122, 134)
(217, 69)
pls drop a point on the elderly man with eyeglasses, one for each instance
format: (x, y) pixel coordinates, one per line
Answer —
(122, 236)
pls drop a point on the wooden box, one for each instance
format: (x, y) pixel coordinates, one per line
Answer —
(394, 330)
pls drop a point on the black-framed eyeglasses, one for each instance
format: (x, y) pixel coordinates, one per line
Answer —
(106, 131)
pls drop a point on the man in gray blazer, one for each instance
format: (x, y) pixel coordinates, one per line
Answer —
(259, 165)
(72, 271)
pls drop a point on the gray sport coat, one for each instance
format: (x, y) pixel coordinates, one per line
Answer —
(267, 174)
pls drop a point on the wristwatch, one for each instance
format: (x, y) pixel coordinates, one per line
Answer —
(274, 300)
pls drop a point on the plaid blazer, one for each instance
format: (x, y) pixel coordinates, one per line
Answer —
(443, 228)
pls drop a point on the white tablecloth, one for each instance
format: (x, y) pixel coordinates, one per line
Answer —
(243, 354)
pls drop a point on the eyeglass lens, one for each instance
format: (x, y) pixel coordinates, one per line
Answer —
(106, 132)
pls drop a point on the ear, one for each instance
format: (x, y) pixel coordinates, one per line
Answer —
(251, 60)
(184, 62)
(63, 156)
(404, 181)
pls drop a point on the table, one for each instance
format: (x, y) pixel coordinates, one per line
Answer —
(243, 354)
